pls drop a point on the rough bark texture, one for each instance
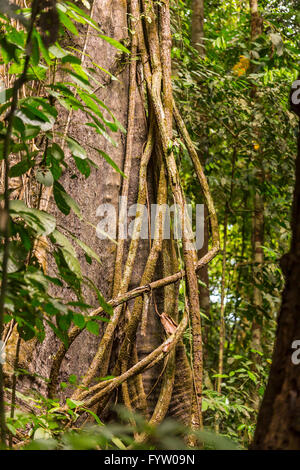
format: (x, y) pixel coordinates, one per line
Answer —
(102, 186)
(278, 425)
(256, 20)
(198, 43)
(197, 26)
(258, 223)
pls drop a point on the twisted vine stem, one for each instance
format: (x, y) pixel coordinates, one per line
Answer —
(155, 55)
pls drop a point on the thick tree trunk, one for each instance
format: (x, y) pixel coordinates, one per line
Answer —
(278, 425)
(102, 187)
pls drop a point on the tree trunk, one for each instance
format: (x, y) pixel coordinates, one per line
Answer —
(102, 187)
(198, 26)
(257, 224)
(198, 43)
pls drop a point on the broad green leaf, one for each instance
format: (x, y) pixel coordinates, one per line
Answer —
(78, 320)
(110, 161)
(65, 20)
(64, 201)
(76, 148)
(86, 249)
(72, 262)
(45, 177)
(73, 403)
(20, 168)
(62, 241)
(93, 327)
(115, 43)
(40, 221)
(83, 166)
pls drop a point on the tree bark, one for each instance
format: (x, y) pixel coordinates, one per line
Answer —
(103, 186)
(198, 43)
(198, 26)
(257, 223)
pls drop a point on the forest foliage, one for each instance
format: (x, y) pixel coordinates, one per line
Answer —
(247, 146)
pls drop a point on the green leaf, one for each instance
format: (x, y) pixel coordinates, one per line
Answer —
(73, 379)
(96, 418)
(27, 118)
(72, 204)
(78, 320)
(87, 17)
(117, 441)
(86, 249)
(110, 161)
(115, 43)
(41, 433)
(252, 376)
(56, 151)
(73, 403)
(83, 166)
(43, 49)
(72, 263)
(64, 322)
(64, 201)
(63, 242)
(204, 405)
(93, 327)
(68, 252)
(35, 52)
(42, 222)
(55, 169)
(20, 168)
(65, 20)
(11, 428)
(75, 148)
(70, 59)
(60, 199)
(17, 257)
(45, 177)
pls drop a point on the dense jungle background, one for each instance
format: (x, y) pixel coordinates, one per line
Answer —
(120, 341)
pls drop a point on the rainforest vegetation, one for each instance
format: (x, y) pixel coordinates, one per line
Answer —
(114, 335)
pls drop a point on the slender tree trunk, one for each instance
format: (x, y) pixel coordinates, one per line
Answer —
(198, 43)
(198, 26)
(258, 223)
(256, 20)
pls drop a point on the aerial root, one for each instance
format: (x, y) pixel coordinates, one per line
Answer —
(154, 54)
